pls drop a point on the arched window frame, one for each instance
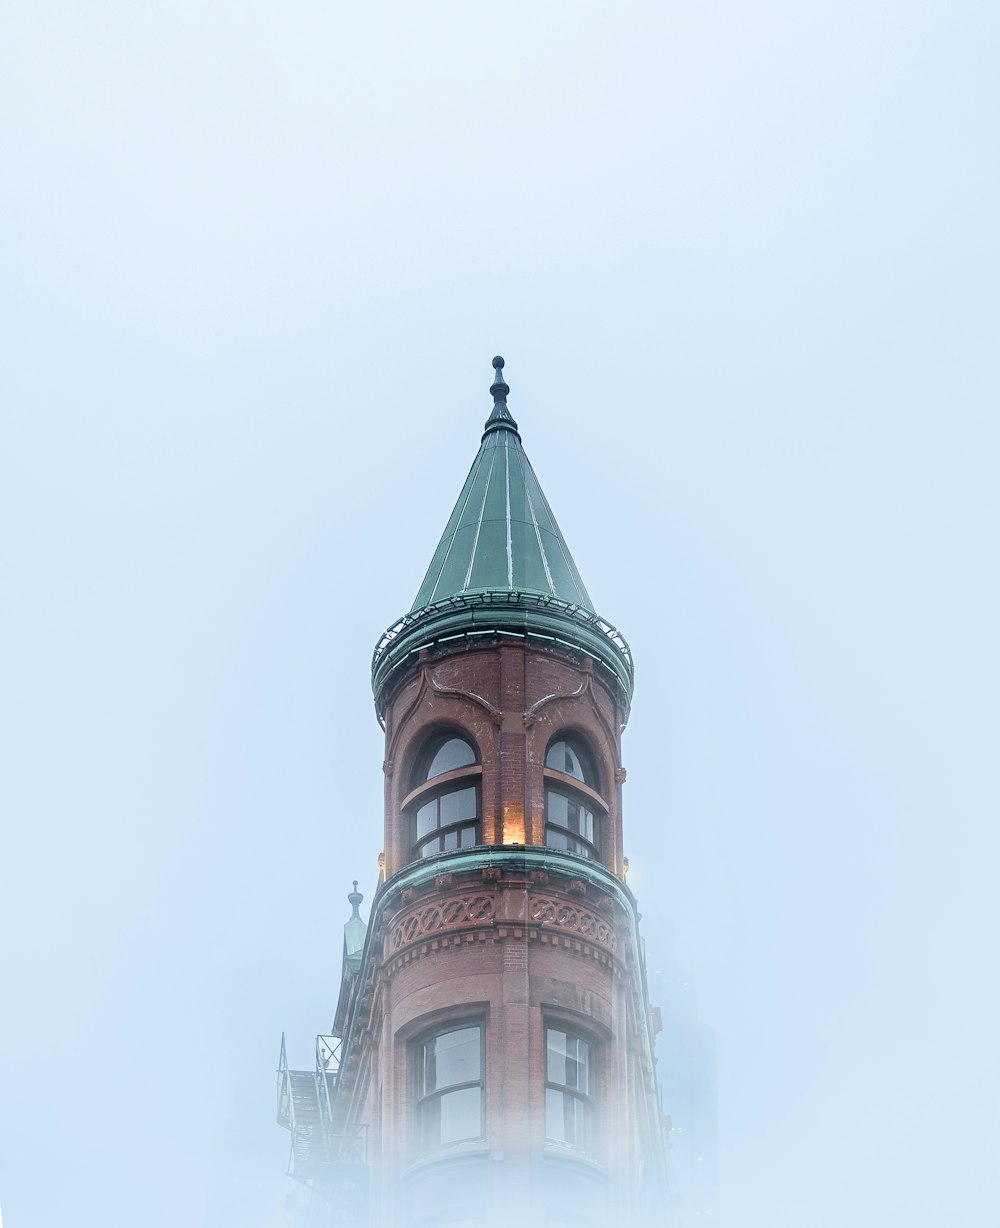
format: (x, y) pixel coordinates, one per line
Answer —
(425, 792)
(429, 1095)
(570, 1088)
(585, 1131)
(581, 793)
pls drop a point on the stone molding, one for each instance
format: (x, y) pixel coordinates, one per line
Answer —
(499, 911)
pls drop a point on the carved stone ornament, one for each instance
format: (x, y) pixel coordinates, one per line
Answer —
(558, 914)
(456, 912)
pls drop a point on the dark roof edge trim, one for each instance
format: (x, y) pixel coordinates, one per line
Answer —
(502, 611)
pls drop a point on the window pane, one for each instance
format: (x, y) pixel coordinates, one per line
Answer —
(563, 757)
(564, 1118)
(577, 1064)
(579, 819)
(431, 847)
(468, 837)
(558, 808)
(567, 1060)
(426, 818)
(457, 1056)
(449, 809)
(461, 1114)
(454, 753)
(458, 806)
(429, 1123)
(563, 812)
(555, 1056)
(447, 1111)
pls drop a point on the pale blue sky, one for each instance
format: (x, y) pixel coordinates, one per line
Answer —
(742, 260)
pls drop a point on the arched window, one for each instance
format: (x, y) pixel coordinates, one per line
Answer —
(572, 810)
(443, 804)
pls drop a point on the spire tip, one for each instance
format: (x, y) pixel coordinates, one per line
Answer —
(500, 418)
(499, 387)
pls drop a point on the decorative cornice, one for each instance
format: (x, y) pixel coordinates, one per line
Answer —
(477, 617)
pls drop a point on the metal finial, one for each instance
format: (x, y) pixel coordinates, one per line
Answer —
(499, 386)
(355, 898)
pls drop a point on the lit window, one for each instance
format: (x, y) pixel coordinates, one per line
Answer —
(446, 822)
(568, 1103)
(446, 817)
(449, 1088)
(570, 822)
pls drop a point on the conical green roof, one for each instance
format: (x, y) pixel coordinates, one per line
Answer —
(501, 568)
(502, 535)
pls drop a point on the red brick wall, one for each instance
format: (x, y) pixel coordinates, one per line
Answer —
(509, 951)
(510, 699)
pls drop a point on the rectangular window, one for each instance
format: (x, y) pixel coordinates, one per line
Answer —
(449, 1088)
(447, 822)
(569, 825)
(568, 1100)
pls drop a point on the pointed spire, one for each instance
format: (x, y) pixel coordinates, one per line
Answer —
(502, 565)
(502, 535)
(500, 419)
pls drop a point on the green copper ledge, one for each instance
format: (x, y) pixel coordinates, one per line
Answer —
(492, 614)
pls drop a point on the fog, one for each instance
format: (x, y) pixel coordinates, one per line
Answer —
(742, 261)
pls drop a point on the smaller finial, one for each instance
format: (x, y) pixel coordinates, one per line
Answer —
(499, 387)
(355, 898)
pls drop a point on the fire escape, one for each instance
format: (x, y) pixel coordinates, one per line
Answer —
(323, 1157)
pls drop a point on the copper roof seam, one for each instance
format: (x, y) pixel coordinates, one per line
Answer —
(479, 523)
(510, 549)
(538, 535)
(470, 482)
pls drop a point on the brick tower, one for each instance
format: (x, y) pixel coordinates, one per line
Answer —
(492, 1054)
